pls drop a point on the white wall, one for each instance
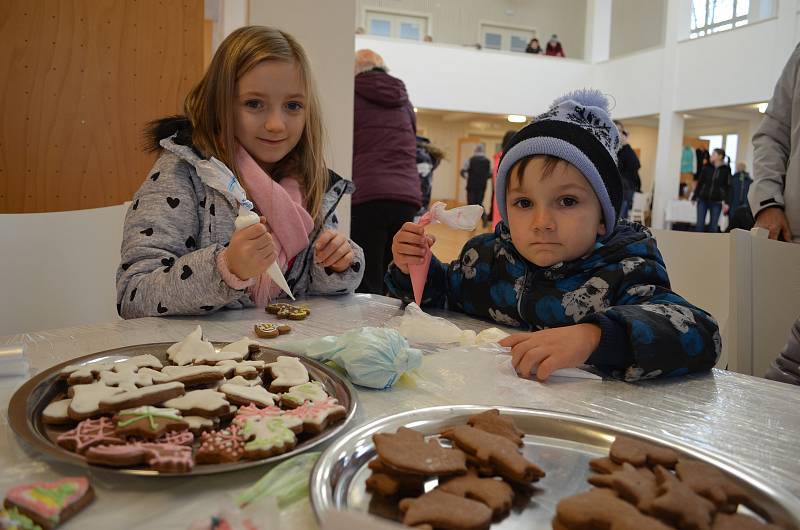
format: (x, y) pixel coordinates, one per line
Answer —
(325, 29)
(458, 21)
(634, 82)
(440, 76)
(636, 25)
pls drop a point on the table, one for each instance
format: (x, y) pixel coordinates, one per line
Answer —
(683, 211)
(752, 421)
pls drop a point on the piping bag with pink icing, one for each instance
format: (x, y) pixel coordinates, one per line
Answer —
(460, 218)
(221, 178)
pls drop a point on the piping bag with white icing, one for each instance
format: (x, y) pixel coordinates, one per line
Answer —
(217, 175)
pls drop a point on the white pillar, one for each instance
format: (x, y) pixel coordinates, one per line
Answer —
(670, 124)
(598, 31)
(326, 32)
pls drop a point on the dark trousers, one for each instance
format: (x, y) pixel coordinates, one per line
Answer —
(476, 197)
(373, 226)
(715, 208)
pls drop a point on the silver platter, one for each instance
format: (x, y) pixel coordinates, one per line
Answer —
(561, 444)
(28, 402)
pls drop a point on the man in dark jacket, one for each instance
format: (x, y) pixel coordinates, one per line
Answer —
(477, 170)
(384, 165)
(629, 166)
(428, 158)
(712, 189)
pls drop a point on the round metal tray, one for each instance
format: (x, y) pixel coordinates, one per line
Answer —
(28, 402)
(561, 444)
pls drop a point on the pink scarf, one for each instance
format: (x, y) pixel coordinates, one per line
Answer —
(287, 220)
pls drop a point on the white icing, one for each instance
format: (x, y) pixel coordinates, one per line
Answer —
(255, 394)
(241, 381)
(288, 372)
(206, 399)
(193, 346)
(86, 398)
(78, 372)
(198, 422)
(244, 368)
(181, 373)
(116, 400)
(135, 363)
(312, 391)
(57, 409)
(143, 377)
(147, 409)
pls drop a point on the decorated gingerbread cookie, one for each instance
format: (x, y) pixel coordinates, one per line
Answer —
(89, 433)
(149, 395)
(312, 391)
(206, 403)
(199, 424)
(86, 399)
(77, 374)
(50, 504)
(190, 348)
(266, 331)
(235, 351)
(239, 380)
(252, 410)
(286, 373)
(318, 415)
(267, 436)
(193, 375)
(246, 369)
(149, 422)
(140, 378)
(220, 447)
(57, 412)
(245, 395)
(134, 364)
(164, 457)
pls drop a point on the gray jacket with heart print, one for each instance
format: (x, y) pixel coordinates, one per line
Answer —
(176, 227)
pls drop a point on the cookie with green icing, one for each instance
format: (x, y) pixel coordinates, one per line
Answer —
(267, 436)
(50, 504)
(312, 391)
(149, 422)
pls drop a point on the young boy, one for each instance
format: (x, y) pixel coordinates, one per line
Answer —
(590, 288)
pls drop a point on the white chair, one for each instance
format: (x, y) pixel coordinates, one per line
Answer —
(640, 207)
(58, 269)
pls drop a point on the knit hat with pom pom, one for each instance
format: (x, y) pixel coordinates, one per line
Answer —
(577, 128)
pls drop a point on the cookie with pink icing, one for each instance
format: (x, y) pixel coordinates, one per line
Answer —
(318, 415)
(139, 397)
(267, 436)
(160, 456)
(297, 395)
(89, 433)
(286, 373)
(220, 447)
(149, 422)
(50, 504)
(57, 412)
(193, 346)
(245, 395)
(86, 399)
(207, 403)
(235, 351)
(252, 410)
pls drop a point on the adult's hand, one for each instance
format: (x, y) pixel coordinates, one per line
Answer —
(774, 220)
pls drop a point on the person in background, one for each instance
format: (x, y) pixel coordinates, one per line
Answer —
(629, 166)
(495, 213)
(740, 186)
(534, 47)
(554, 47)
(384, 165)
(775, 194)
(477, 171)
(428, 159)
(712, 190)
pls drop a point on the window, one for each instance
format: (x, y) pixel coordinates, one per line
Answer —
(713, 16)
(396, 25)
(507, 38)
(728, 142)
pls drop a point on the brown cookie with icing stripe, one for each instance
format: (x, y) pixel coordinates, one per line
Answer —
(266, 331)
(639, 453)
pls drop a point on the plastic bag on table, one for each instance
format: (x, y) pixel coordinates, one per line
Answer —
(371, 357)
(419, 327)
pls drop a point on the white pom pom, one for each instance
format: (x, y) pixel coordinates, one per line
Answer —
(586, 97)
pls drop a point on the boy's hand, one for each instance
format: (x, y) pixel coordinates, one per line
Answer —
(551, 349)
(333, 250)
(409, 245)
(251, 251)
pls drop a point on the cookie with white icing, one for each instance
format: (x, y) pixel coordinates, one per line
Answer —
(287, 372)
(245, 395)
(193, 375)
(86, 399)
(235, 351)
(199, 424)
(190, 348)
(80, 374)
(139, 397)
(297, 395)
(57, 412)
(318, 415)
(206, 403)
(247, 369)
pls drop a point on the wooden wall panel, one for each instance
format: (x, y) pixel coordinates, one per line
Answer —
(79, 79)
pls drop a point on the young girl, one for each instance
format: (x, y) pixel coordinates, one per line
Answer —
(256, 110)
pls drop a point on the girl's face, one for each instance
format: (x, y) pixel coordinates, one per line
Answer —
(270, 111)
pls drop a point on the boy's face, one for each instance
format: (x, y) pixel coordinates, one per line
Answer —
(270, 111)
(553, 218)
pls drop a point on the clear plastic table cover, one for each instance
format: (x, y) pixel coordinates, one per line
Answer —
(752, 421)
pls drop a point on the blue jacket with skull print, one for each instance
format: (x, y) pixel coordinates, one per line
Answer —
(621, 286)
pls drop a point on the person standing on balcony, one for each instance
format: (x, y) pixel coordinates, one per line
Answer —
(554, 47)
(384, 165)
(534, 47)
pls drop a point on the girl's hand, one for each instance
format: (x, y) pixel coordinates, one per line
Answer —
(409, 245)
(333, 250)
(251, 251)
(551, 349)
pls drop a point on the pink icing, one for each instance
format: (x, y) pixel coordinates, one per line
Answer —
(317, 411)
(49, 499)
(89, 433)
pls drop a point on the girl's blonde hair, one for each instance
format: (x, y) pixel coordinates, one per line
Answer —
(210, 108)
